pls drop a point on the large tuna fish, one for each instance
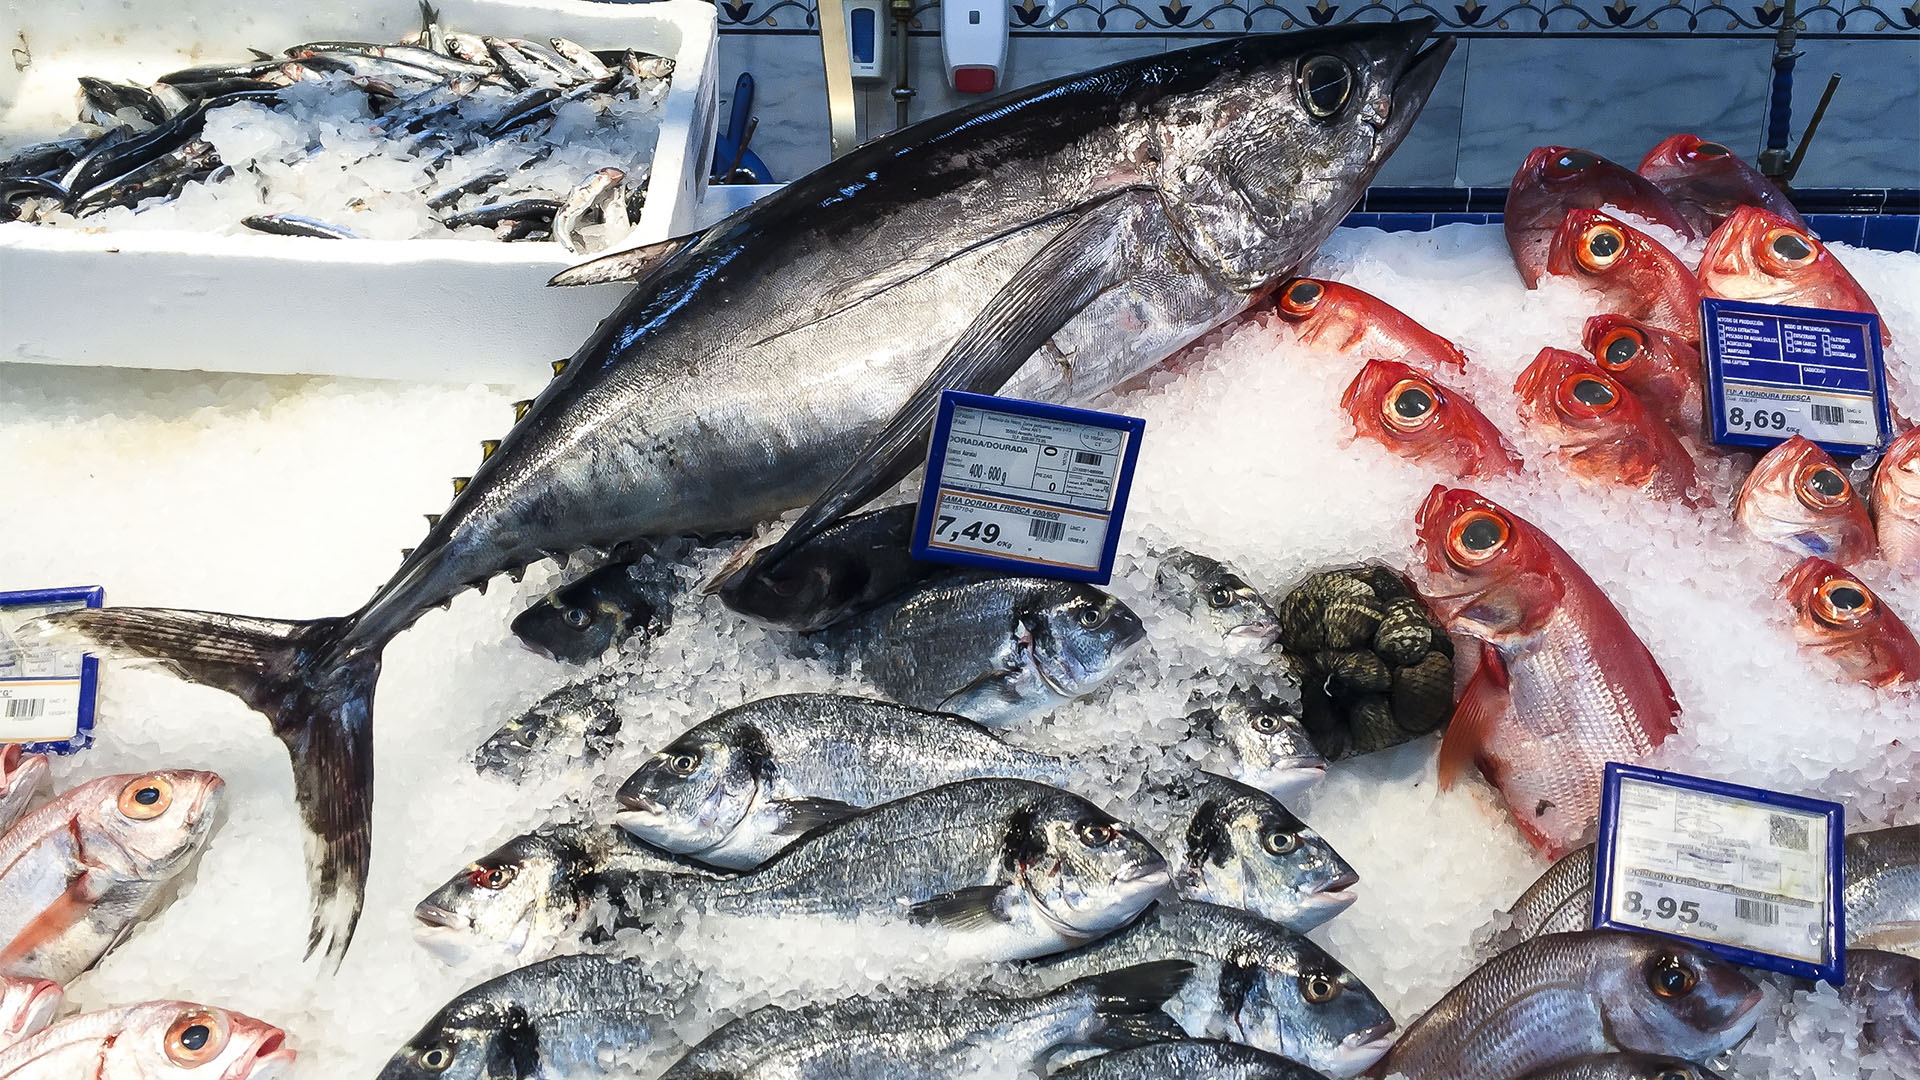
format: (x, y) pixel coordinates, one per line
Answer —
(1053, 242)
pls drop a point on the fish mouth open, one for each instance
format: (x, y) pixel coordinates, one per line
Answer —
(270, 1060)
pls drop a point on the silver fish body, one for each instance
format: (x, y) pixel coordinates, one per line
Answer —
(27, 1006)
(735, 790)
(992, 649)
(577, 720)
(571, 1016)
(1196, 1058)
(1258, 739)
(1228, 612)
(936, 1036)
(1565, 996)
(1885, 987)
(1560, 901)
(1254, 982)
(1882, 893)
(1623, 1067)
(22, 778)
(1236, 846)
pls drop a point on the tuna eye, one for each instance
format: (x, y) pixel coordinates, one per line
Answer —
(1618, 348)
(1090, 617)
(578, 618)
(1325, 84)
(195, 1039)
(1600, 248)
(1281, 842)
(1790, 247)
(1410, 405)
(146, 798)
(1219, 596)
(1318, 989)
(684, 764)
(491, 878)
(1571, 162)
(1300, 298)
(436, 1058)
(1710, 149)
(1477, 537)
(1824, 488)
(1097, 834)
(1670, 978)
(1841, 602)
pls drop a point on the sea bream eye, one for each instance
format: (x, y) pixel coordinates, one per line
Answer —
(1476, 537)
(146, 798)
(491, 878)
(1097, 834)
(1091, 617)
(1318, 989)
(1281, 842)
(436, 1058)
(1670, 978)
(684, 764)
(195, 1039)
(1325, 84)
(1220, 596)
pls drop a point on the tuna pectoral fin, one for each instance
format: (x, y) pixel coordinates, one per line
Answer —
(1042, 296)
(973, 908)
(320, 707)
(632, 264)
(1127, 1003)
(1481, 706)
(798, 816)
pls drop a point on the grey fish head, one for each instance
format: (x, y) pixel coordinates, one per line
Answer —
(581, 620)
(1080, 636)
(518, 900)
(1666, 997)
(696, 791)
(1085, 872)
(475, 1037)
(1264, 741)
(1282, 993)
(1260, 164)
(1213, 595)
(1243, 849)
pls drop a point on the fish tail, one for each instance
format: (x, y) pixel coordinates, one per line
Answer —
(1128, 1003)
(319, 700)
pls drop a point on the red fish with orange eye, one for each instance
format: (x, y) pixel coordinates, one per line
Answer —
(1556, 179)
(1329, 315)
(1602, 431)
(1708, 182)
(1638, 276)
(1836, 615)
(1798, 499)
(1660, 368)
(1896, 502)
(1407, 411)
(1758, 256)
(1562, 686)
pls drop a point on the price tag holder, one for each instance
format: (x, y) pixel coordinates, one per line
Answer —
(1753, 875)
(46, 690)
(1026, 486)
(1776, 372)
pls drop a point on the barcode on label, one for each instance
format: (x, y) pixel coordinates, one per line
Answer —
(1084, 458)
(1046, 530)
(25, 708)
(1828, 414)
(1785, 832)
(1758, 912)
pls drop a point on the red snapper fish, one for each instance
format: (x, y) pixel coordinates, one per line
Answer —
(1556, 179)
(1660, 368)
(1758, 256)
(1708, 182)
(1562, 685)
(1407, 411)
(1896, 503)
(1836, 615)
(1603, 433)
(1635, 273)
(1329, 315)
(1798, 499)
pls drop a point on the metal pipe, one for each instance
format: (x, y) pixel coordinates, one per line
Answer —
(1773, 156)
(903, 93)
(841, 129)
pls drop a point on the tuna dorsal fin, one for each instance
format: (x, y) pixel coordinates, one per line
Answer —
(558, 367)
(520, 409)
(632, 264)
(406, 553)
(460, 483)
(1485, 701)
(432, 520)
(487, 447)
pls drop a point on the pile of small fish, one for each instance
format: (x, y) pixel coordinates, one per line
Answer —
(444, 133)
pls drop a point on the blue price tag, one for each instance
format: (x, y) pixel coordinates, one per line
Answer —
(1025, 486)
(1776, 372)
(46, 690)
(1753, 875)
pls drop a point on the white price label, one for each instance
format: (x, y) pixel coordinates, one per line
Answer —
(40, 685)
(1823, 416)
(1745, 874)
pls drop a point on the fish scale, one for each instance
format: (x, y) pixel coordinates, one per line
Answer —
(1882, 896)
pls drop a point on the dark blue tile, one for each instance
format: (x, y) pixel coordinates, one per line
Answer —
(1486, 200)
(1415, 200)
(1893, 232)
(1840, 200)
(1903, 201)
(1839, 228)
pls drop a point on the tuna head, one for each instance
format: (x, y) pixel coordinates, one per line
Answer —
(148, 826)
(1668, 998)
(692, 795)
(521, 899)
(1264, 159)
(1084, 873)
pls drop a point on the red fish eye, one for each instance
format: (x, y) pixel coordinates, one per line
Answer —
(1411, 405)
(491, 878)
(1619, 348)
(1571, 163)
(1300, 298)
(1600, 247)
(1788, 248)
(1842, 602)
(1476, 538)
(1587, 395)
(1709, 149)
(1822, 487)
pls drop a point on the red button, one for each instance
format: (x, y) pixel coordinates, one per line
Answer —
(973, 80)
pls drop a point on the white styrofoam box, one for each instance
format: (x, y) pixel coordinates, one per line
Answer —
(441, 310)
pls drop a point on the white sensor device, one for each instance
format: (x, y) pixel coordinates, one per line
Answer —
(973, 37)
(867, 38)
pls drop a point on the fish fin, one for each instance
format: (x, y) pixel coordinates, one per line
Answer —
(1127, 1003)
(1042, 296)
(632, 264)
(319, 705)
(514, 1049)
(1002, 686)
(798, 816)
(1481, 706)
(72, 905)
(973, 908)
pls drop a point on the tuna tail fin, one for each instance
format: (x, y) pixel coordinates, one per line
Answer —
(321, 707)
(1127, 1004)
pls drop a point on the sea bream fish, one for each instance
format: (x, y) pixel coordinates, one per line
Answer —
(1237, 847)
(1839, 617)
(737, 789)
(1601, 431)
(1094, 223)
(1882, 894)
(1208, 1058)
(1896, 503)
(1564, 996)
(27, 1006)
(1662, 369)
(1708, 182)
(578, 720)
(1556, 179)
(1330, 315)
(1758, 256)
(1231, 614)
(1256, 738)
(23, 777)
(1410, 413)
(1796, 498)
(1635, 274)
(1562, 685)
(152, 1040)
